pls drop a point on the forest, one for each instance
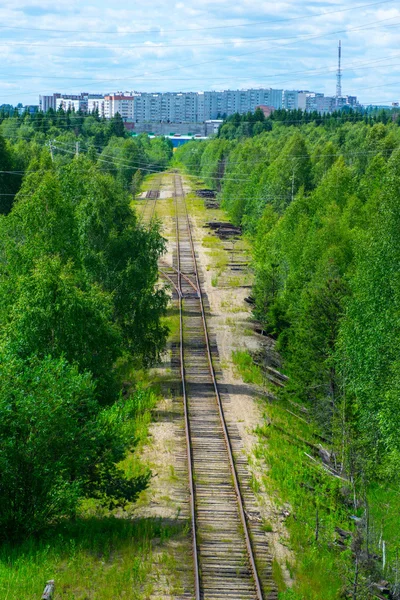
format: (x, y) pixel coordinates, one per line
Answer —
(80, 307)
(320, 203)
(81, 310)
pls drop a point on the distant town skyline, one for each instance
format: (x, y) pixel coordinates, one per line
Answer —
(194, 107)
(199, 45)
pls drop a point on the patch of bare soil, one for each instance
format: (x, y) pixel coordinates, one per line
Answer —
(229, 323)
(165, 453)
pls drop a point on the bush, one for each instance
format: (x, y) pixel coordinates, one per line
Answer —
(56, 444)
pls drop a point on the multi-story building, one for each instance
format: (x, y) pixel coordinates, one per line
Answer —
(302, 100)
(341, 101)
(169, 107)
(85, 102)
(229, 102)
(73, 103)
(193, 107)
(197, 107)
(96, 103)
(317, 102)
(124, 104)
(314, 102)
(47, 102)
(290, 99)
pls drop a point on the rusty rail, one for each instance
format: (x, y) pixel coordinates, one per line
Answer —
(249, 589)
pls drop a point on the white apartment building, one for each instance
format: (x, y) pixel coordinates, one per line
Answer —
(294, 99)
(47, 102)
(96, 102)
(197, 107)
(229, 102)
(119, 103)
(193, 107)
(169, 107)
(73, 103)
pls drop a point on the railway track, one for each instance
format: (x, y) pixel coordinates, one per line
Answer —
(149, 207)
(224, 539)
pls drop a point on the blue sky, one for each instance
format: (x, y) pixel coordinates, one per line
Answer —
(48, 46)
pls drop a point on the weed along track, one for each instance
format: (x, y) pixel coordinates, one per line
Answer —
(152, 196)
(225, 540)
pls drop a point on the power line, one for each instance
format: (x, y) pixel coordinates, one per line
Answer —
(367, 26)
(227, 179)
(146, 46)
(349, 67)
(125, 165)
(190, 30)
(309, 119)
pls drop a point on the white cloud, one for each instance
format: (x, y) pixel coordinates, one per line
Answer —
(194, 45)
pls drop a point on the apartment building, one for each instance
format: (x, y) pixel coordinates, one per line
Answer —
(73, 103)
(169, 107)
(193, 107)
(124, 104)
(96, 103)
(294, 99)
(84, 102)
(229, 102)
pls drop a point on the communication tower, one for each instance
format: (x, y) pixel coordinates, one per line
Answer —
(339, 72)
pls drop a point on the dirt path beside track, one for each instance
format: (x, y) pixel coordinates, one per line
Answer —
(229, 320)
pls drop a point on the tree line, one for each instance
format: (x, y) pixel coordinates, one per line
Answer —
(321, 203)
(253, 123)
(79, 301)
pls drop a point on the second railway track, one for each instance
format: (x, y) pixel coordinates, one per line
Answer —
(149, 207)
(224, 540)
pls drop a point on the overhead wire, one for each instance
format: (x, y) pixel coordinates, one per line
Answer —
(291, 39)
(189, 29)
(224, 178)
(62, 120)
(360, 65)
(124, 165)
(146, 46)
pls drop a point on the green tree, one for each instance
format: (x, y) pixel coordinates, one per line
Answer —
(9, 181)
(116, 126)
(57, 444)
(370, 333)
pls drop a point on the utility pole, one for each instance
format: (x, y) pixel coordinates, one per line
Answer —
(51, 150)
(77, 149)
(293, 174)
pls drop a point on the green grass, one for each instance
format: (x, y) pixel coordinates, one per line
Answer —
(302, 486)
(278, 576)
(103, 554)
(299, 483)
(321, 570)
(101, 558)
(211, 241)
(248, 371)
(172, 321)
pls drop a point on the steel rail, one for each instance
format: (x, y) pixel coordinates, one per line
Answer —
(148, 198)
(185, 277)
(197, 587)
(153, 209)
(243, 519)
(166, 276)
(142, 214)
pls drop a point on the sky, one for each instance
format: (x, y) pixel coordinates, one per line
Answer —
(195, 45)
